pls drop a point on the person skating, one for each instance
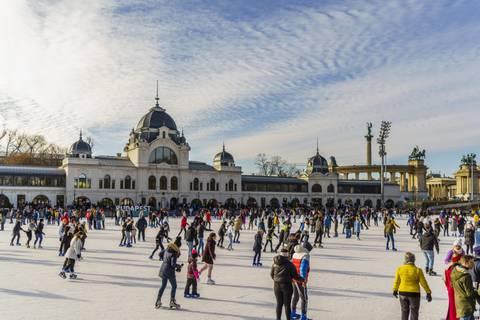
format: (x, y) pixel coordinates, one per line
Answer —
(183, 225)
(469, 237)
(301, 261)
(159, 240)
(229, 234)
(406, 287)
(16, 232)
(209, 257)
(190, 237)
(269, 238)
(357, 227)
(429, 242)
(192, 276)
(283, 273)
(451, 312)
(221, 233)
(389, 230)
(257, 248)
(167, 273)
(141, 226)
(466, 295)
(29, 232)
(39, 234)
(73, 254)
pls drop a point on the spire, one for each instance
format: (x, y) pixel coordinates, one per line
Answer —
(317, 147)
(156, 97)
(182, 132)
(80, 134)
(223, 149)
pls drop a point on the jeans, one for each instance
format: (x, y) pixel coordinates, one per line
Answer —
(190, 247)
(173, 283)
(392, 239)
(469, 317)
(200, 246)
(410, 307)
(39, 238)
(283, 295)
(300, 293)
(230, 241)
(348, 233)
(256, 257)
(429, 256)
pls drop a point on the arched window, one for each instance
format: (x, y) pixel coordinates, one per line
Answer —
(331, 188)
(316, 188)
(107, 182)
(196, 184)
(212, 184)
(128, 182)
(83, 182)
(163, 155)
(174, 183)
(163, 183)
(230, 185)
(152, 183)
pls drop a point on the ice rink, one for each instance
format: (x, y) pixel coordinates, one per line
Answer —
(349, 279)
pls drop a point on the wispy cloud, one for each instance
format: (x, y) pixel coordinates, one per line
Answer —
(262, 76)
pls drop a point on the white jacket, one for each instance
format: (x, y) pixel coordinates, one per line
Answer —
(75, 249)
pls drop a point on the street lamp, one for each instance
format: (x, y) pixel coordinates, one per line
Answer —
(382, 137)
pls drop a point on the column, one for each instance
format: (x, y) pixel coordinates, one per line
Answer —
(402, 181)
(357, 175)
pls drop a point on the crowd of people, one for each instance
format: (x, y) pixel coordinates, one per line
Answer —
(290, 233)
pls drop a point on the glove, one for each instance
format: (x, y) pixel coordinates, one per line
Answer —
(395, 294)
(429, 297)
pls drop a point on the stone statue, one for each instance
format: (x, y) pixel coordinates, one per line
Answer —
(369, 130)
(333, 161)
(468, 159)
(417, 154)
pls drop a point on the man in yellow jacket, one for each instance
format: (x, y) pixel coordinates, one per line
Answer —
(406, 287)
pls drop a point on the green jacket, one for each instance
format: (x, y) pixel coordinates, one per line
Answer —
(465, 294)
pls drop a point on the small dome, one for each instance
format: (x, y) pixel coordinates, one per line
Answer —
(224, 158)
(317, 163)
(81, 147)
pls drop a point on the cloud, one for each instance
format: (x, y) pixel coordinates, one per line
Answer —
(262, 76)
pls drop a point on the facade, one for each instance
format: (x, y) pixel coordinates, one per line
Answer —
(155, 169)
(441, 188)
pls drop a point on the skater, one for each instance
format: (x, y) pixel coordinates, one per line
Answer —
(221, 233)
(39, 235)
(269, 237)
(141, 226)
(159, 241)
(389, 230)
(257, 248)
(301, 261)
(31, 228)
(465, 294)
(73, 253)
(167, 273)
(357, 227)
(192, 276)
(427, 243)
(406, 287)
(469, 237)
(451, 312)
(283, 273)
(230, 236)
(183, 225)
(237, 227)
(190, 237)
(209, 257)
(16, 232)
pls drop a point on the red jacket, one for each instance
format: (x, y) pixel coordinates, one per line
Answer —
(183, 223)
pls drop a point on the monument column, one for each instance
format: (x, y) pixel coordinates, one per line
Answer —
(369, 137)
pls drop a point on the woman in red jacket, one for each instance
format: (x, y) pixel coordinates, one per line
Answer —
(452, 311)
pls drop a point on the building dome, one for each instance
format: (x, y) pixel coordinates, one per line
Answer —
(224, 158)
(81, 148)
(317, 164)
(156, 118)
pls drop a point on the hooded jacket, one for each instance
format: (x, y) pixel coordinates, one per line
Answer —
(301, 261)
(283, 271)
(429, 241)
(465, 294)
(169, 261)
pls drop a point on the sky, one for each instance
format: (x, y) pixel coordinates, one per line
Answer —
(261, 76)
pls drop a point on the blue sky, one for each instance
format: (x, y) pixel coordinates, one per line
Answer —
(263, 76)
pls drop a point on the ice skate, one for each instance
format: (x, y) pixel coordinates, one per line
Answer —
(174, 304)
(62, 275)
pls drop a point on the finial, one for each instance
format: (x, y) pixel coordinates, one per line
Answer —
(317, 147)
(182, 132)
(156, 97)
(223, 146)
(80, 134)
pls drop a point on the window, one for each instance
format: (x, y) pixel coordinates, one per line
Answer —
(121, 184)
(212, 184)
(201, 186)
(191, 186)
(100, 184)
(235, 187)
(83, 182)
(218, 186)
(196, 184)
(127, 182)
(113, 183)
(163, 183)
(331, 188)
(133, 184)
(106, 182)
(174, 183)
(163, 154)
(163, 134)
(152, 183)
(230, 185)
(316, 188)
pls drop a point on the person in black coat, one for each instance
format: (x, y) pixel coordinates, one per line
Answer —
(141, 226)
(16, 232)
(283, 272)
(257, 248)
(162, 233)
(167, 272)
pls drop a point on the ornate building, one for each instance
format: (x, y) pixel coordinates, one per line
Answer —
(155, 169)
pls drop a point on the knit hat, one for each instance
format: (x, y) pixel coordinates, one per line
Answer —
(457, 242)
(299, 249)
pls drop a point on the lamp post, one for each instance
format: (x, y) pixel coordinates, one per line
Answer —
(381, 140)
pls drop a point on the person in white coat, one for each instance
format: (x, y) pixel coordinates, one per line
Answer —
(73, 254)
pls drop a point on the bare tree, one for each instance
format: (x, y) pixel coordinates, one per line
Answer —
(275, 166)
(262, 164)
(90, 141)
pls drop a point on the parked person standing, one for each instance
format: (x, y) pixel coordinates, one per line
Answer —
(406, 287)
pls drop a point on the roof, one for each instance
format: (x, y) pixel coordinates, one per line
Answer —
(202, 166)
(156, 118)
(272, 179)
(363, 182)
(25, 170)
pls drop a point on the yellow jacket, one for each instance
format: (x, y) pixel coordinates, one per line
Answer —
(408, 278)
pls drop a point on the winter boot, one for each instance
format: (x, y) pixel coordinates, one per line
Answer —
(174, 304)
